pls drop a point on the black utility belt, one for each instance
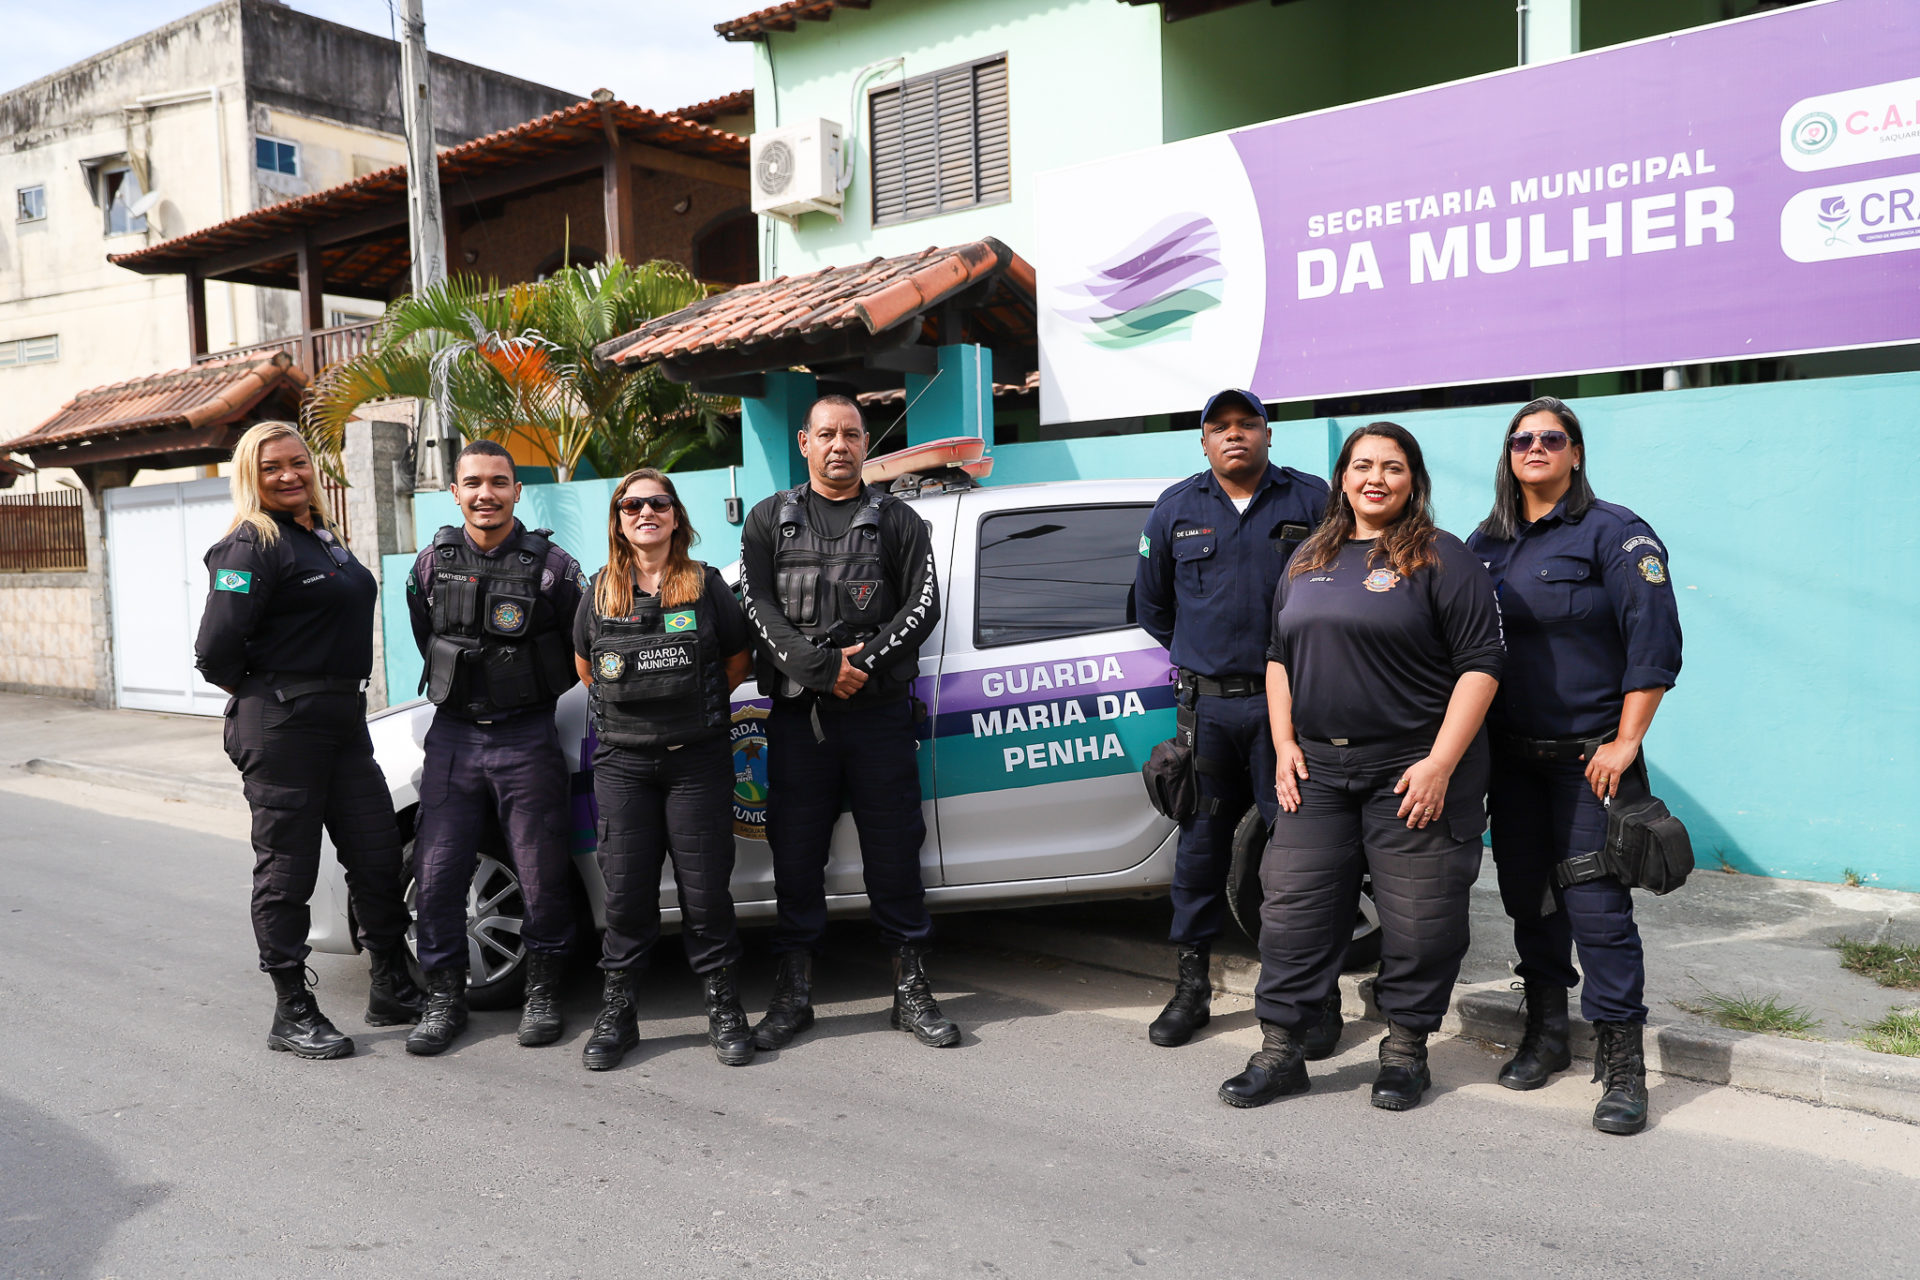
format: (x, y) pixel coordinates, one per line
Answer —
(287, 688)
(1225, 686)
(1550, 748)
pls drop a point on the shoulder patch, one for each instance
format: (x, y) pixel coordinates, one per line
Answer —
(1642, 540)
(1653, 571)
(1146, 545)
(235, 580)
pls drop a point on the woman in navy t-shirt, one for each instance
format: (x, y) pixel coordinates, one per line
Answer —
(1385, 653)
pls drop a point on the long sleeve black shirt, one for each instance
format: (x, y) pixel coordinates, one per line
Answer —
(906, 556)
(284, 607)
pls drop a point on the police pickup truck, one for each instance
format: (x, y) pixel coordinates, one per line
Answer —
(1043, 700)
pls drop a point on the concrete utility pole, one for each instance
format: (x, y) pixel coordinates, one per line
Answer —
(427, 233)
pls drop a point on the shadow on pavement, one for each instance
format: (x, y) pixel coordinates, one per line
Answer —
(61, 1196)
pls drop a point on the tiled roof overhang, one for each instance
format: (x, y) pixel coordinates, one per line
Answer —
(739, 102)
(870, 312)
(345, 221)
(783, 17)
(181, 411)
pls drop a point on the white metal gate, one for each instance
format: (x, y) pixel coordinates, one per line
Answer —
(157, 586)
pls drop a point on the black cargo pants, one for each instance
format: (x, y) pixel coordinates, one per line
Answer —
(1346, 826)
(655, 803)
(307, 764)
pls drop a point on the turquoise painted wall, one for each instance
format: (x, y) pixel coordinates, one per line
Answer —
(1083, 81)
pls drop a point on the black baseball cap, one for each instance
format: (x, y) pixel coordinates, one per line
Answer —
(1227, 399)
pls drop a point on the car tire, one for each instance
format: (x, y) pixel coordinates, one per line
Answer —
(496, 912)
(1244, 895)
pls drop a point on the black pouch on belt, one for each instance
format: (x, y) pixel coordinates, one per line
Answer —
(1172, 772)
(444, 656)
(1647, 845)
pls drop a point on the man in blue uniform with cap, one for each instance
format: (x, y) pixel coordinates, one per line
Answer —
(1212, 552)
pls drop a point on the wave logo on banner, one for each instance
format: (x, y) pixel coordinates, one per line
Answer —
(1153, 289)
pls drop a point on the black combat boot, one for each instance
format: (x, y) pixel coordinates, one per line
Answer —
(446, 1012)
(790, 1010)
(1191, 1006)
(392, 999)
(1621, 1062)
(726, 1021)
(914, 1008)
(1543, 1046)
(1403, 1069)
(617, 1029)
(1277, 1070)
(540, 1016)
(1324, 1037)
(299, 1027)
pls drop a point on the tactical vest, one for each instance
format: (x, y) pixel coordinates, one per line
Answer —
(659, 678)
(486, 657)
(833, 590)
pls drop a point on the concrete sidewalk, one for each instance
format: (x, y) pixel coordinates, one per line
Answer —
(1722, 934)
(1729, 935)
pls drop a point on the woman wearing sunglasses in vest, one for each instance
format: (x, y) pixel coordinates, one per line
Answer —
(288, 631)
(1593, 642)
(661, 642)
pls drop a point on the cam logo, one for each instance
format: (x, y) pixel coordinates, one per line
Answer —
(610, 666)
(508, 617)
(682, 621)
(1813, 133)
(748, 738)
(233, 580)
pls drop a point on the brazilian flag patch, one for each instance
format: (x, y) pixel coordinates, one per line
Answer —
(233, 580)
(682, 621)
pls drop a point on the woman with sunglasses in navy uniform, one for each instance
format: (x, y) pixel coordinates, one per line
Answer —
(1593, 642)
(288, 631)
(661, 642)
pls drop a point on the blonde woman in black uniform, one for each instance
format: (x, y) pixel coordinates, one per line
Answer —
(288, 631)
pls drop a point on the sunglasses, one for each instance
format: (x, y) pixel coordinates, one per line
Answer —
(334, 549)
(633, 506)
(1551, 441)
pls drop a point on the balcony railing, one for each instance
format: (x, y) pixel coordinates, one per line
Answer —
(312, 351)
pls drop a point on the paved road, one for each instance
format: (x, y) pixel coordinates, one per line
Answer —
(145, 1131)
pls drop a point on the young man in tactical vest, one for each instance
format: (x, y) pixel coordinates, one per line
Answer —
(492, 605)
(838, 582)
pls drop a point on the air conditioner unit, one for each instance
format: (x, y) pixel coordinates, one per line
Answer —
(796, 170)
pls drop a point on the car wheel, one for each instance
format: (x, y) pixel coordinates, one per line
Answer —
(1244, 894)
(496, 912)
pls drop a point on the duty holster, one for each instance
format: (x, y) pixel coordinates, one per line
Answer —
(1172, 771)
(1646, 848)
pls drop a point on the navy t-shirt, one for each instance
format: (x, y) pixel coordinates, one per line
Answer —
(1372, 654)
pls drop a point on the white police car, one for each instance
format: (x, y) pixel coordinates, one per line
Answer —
(1043, 702)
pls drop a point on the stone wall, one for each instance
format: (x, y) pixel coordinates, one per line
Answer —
(46, 635)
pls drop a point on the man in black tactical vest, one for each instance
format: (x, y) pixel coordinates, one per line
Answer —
(492, 605)
(838, 581)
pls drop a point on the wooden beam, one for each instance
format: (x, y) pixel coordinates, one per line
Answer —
(616, 190)
(196, 314)
(313, 314)
(660, 160)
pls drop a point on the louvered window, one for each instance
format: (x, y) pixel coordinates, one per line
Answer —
(938, 142)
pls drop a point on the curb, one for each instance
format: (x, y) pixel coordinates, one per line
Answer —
(165, 785)
(1829, 1073)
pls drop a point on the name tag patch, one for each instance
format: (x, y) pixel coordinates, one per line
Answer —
(233, 580)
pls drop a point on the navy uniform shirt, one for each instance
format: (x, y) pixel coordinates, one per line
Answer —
(286, 607)
(1204, 584)
(1371, 654)
(561, 584)
(1590, 616)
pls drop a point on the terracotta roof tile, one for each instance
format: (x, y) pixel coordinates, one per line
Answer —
(868, 297)
(782, 17)
(562, 130)
(737, 103)
(206, 395)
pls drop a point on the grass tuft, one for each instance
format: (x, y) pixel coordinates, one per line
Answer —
(1898, 1032)
(1891, 964)
(1851, 878)
(1754, 1013)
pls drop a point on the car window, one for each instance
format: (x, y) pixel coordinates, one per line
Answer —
(1059, 571)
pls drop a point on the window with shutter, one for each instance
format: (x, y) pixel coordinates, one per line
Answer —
(938, 142)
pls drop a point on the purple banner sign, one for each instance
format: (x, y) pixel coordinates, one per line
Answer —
(1746, 189)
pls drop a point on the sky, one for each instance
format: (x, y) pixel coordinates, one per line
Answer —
(652, 53)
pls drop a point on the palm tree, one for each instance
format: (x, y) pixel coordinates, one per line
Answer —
(517, 364)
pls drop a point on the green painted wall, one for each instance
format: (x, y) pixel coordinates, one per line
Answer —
(1083, 81)
(1257, 62)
